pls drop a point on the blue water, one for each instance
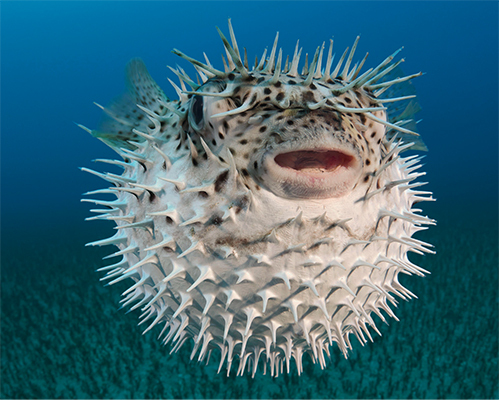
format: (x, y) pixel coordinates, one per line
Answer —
(61, 334)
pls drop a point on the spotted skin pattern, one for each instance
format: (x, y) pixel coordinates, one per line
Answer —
(266, 213)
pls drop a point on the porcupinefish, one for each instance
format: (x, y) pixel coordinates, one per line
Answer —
(267, 212)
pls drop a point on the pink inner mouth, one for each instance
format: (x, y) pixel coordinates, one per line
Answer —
(318, 161)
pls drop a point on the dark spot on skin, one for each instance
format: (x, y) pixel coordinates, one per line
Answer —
(262, 129)
(221, 135)
(279, 96)
(217, 221)
(231, 77)
(290, 122)
(221, 181)
(266, 98)
(291, 82)
(373, 134)
(267, 91)
(203, 194)
(362, 119)
(213, 142)
(232, 151)
(379, 141)
(312, 86)
(366, 178)
(194, 162)
(246, 156)
(255, 165)
(368, 162)
(243, 141)
(245, 172)
(308, 96)
(277, 84)
(169, 220)
(348, 100)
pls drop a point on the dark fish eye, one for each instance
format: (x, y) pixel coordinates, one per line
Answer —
(196, 113)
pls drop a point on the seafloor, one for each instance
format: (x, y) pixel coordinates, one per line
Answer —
(62, 335)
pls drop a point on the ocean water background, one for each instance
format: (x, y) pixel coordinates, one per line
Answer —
(62, 334)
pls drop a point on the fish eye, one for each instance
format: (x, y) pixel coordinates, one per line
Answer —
(196, 113)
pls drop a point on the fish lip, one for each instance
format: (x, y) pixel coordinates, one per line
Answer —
(305, 183)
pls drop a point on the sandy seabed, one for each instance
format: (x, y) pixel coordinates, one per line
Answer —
(62, 335)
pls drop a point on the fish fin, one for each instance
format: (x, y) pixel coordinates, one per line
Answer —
(404, 110)
(122, 115)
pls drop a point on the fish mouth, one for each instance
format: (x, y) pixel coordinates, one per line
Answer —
(314, 162)
(312, 173)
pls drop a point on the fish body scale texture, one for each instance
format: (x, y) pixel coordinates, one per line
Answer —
(277, 227)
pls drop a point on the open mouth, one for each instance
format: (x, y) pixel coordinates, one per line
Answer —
(314, 161)
(312, 173)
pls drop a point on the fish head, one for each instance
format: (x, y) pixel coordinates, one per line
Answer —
(296, 138)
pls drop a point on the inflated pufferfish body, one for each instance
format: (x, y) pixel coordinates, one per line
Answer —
(266, 213)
